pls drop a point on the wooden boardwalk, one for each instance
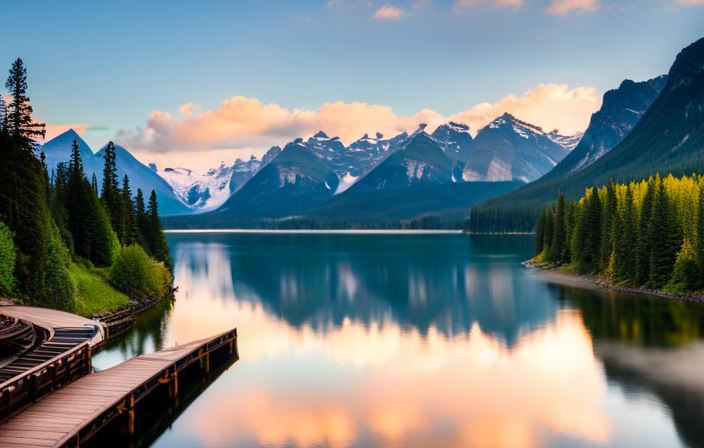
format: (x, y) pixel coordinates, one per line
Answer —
(70, 416)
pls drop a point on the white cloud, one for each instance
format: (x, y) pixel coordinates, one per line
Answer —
(391, 13)
(563, 7)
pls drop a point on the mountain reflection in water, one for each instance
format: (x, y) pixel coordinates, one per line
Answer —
(420, 340)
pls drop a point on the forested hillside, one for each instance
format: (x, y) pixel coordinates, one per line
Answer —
(62, 245)
(669, 138)
(648, 233)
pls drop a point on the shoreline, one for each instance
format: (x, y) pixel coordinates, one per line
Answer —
(313, 231)
(597, 283)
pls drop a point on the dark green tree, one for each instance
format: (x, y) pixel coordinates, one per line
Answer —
(155, 234)
(559, 245)
(20, 123)
(663, 238)
(610, 210)
(644, 243)
(540, 233)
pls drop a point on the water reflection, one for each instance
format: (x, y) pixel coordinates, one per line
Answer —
(442, 340)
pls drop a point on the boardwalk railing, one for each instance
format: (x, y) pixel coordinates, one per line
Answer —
(37, 382)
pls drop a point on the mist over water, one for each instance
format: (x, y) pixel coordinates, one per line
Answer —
(356, 340)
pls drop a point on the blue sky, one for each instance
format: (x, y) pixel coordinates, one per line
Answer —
(108, 67)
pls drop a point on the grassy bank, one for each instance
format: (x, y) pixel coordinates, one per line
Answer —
(94, 293)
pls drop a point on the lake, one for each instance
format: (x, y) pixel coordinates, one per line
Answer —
(417, 340)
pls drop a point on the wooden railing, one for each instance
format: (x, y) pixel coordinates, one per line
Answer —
(30, 386)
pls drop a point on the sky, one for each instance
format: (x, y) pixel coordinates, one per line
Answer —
(192, 83)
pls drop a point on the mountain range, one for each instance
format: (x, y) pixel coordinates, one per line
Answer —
(662, 121)
(141, 176)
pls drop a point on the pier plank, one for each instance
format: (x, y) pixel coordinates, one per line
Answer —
(63, 415)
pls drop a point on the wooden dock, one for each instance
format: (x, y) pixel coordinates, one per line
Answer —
(77, 412)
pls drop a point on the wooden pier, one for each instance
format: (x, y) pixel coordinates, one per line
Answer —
(80, 410)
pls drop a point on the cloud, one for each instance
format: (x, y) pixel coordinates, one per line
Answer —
(563, 7)
(333, 2)
(418, 4)
(303, 18)
(391, 13)
(242, 126)
(550, 106)
(462, 5)
(188, 109)
(54, 130)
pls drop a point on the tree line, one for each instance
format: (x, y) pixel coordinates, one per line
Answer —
(51, 220)
(648, 233)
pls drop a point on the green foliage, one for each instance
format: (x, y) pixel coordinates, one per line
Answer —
(649, 233)
(94, 294)
(20, 123)
(137, 275)
(8, 255)
(58, 289)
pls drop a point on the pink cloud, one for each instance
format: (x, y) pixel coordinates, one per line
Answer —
(241, 126)
(391, 13)
(54, 130)
(461, 5)
(563, 7)
(550, 106)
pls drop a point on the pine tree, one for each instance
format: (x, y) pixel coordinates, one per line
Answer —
(540, 233)
(76, 204)
(155, 234)
(19, 120)
(644, 244)
(129, 229)
(549, 233)
(700, 235)
(663, 237)
(593, 222)
(559, 238)
(111, 194)
(94, 183)
(607, 243)
(142, 221)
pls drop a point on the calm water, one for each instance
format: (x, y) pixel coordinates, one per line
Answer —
(417, 341)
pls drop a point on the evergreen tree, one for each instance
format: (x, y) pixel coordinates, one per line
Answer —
(111, 194)
(700, 235)
(591, 256)
(129, 229)
(607, 242)
(644, 244)
(76, 204)
(559, 238)
(663, 237)
(142, 220)
(94, 183)
(155, 234)
(540, 233)
(549, 233)
(19, 120)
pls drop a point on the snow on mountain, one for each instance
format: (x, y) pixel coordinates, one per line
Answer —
(511, 149)
(455, 140)
(569, 142)
(201, 192)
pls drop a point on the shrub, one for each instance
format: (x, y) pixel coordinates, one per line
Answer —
(94, 292)
(8, 256)
(137, 275)
(58, 289)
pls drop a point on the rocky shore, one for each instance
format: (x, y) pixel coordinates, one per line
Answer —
(604, 283)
